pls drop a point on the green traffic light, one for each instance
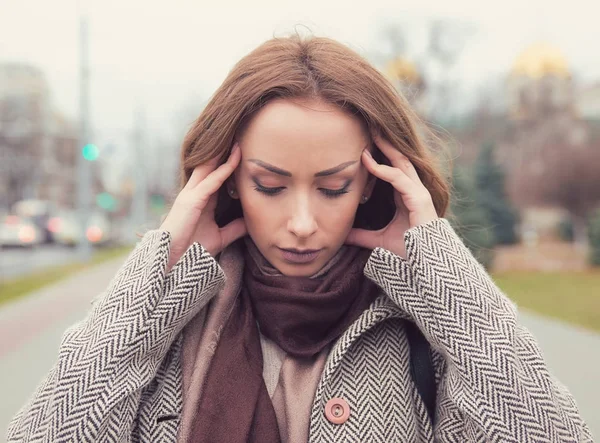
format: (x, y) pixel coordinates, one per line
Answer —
(90, 152)
(106, 201)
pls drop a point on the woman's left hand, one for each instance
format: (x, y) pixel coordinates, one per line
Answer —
(414, 205)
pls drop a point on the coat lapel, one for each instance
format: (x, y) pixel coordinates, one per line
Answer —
(381, 309)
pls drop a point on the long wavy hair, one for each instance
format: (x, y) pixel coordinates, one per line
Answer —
(321, 68)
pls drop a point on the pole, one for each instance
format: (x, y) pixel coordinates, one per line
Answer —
(83, 165)
(140, 196)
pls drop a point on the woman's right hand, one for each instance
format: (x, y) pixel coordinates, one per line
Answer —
(192, 216)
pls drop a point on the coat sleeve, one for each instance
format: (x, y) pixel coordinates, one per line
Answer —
(496, 386)
(93, 390)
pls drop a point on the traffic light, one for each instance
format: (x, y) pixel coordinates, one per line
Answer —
(107, 201)
(157, 203)
(90, 152)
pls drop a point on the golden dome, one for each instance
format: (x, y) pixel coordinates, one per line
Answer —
(539, 60)
(402, 70)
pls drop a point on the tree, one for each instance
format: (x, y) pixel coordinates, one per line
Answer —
(446, 40)
(566, 176)
(594, 238)
(425, 75)
(469, 220)
(490, 182)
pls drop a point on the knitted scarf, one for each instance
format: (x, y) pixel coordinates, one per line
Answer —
(302, 315)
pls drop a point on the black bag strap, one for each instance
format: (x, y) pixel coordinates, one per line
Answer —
(421, 367)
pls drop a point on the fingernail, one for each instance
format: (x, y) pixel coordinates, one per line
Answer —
(366, 151)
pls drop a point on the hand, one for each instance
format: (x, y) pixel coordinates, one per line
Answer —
(414, 205)
(192, 217)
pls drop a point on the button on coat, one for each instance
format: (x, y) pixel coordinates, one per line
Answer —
(337, 411)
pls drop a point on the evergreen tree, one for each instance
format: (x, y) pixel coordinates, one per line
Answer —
(469, 220)
(491, 196)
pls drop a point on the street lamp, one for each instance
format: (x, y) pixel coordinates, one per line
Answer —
(90, 151)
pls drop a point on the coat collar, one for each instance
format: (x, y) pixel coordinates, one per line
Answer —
(382, 308)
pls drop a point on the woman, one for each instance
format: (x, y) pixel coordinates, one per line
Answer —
(289, 292)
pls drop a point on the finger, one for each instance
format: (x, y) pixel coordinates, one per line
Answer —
(215, 179)
(201, 172)
(363, 238)
(397, 158)
(233, 231)
(395, 176)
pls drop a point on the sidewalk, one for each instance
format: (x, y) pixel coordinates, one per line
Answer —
(573, 356)
(31, 330)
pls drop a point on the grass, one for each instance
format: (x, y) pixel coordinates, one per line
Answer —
(13, 289)
(570, 296)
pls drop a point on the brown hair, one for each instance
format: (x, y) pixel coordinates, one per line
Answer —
(314, 67)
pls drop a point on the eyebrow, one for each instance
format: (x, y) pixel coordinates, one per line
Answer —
(285, 173)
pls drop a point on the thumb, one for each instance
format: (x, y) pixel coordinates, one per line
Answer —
(232, 231)
(363, 238)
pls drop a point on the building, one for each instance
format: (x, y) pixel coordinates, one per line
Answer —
(38, 146)
(542, 109)
(588, 103)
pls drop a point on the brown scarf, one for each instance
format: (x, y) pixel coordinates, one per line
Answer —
(302, 315)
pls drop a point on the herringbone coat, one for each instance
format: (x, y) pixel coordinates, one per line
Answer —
(118, 375)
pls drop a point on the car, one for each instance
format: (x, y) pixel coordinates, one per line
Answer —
(66, 230)
(19, 231)
(39, 212)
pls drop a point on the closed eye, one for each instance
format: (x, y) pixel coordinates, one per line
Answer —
(268, 191)
(332, 193)
(329, 193)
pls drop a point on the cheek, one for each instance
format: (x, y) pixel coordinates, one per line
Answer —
(342, 215)
(253, 205)
(261, 214)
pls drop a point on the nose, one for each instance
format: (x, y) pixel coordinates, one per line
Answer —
(302, 223)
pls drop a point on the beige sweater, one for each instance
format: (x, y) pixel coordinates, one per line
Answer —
(291, 383)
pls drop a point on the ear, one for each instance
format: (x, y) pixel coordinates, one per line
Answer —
(231, 190)
(369, 187)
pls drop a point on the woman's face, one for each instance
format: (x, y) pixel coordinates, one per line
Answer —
(300, 181)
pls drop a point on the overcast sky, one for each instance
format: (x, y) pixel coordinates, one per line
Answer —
(169, 54)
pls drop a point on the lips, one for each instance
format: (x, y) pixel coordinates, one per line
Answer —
(300, 251)
(300, 256)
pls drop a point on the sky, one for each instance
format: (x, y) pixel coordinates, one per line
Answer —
(168, 57)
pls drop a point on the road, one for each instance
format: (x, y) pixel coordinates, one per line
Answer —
(31, 329)
(15, 262)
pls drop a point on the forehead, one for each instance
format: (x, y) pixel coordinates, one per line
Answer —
(287, 130)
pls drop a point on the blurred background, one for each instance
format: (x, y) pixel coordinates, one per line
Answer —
(95, 98)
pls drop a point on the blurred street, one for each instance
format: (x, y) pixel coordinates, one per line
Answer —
(31, 330)
(16, 262)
